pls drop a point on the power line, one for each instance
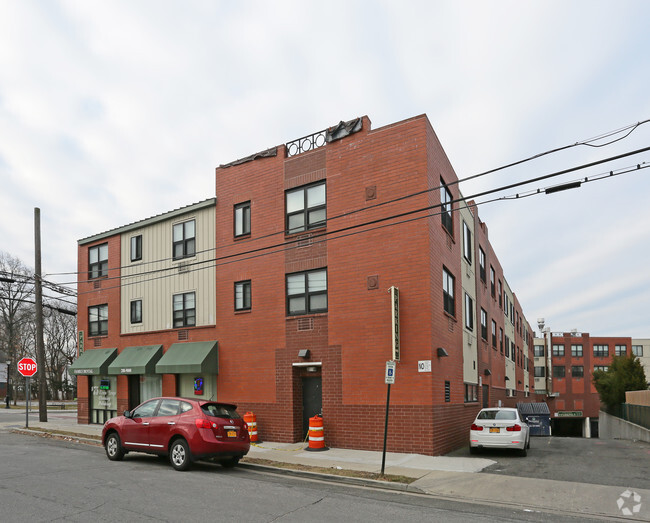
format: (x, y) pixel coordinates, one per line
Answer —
(587, 142)
(373, 225)
(406, 213)
(59, 309)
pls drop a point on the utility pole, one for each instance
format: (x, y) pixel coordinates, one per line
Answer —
(38, 294)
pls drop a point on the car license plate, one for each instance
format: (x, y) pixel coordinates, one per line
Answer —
(494, 429)
(232, 433)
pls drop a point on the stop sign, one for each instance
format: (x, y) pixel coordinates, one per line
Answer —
(27, 367)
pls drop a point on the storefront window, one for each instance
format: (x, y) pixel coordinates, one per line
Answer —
(103, 398)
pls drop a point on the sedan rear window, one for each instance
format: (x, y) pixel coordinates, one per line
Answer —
(220, 411)
(497, 414)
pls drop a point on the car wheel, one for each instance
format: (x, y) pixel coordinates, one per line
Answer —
(473, 450)
(523, 452)
(528, 444)
(229, 463)
(179, 455)
(113, 446)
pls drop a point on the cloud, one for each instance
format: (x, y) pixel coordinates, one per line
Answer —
(116, 111)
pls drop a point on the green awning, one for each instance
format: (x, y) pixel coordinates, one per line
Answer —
(198, 357)
(136, 360)
(93, 361)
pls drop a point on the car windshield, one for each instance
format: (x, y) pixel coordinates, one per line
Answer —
(497, 414)
(220, 411)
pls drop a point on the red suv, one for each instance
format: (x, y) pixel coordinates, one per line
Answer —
(184, 429)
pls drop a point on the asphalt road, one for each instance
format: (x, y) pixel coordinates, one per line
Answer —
(45, 479)
(618, 463)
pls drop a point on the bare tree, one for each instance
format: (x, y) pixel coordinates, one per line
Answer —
(60, 348)
(16, 310)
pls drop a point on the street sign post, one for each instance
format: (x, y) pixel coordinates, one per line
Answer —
(27, 367)
(389, 378)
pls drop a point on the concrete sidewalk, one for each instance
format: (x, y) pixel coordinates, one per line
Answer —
(454, 478)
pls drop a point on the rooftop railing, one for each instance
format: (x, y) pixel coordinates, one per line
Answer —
(306, 143)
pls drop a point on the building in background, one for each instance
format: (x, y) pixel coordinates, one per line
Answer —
(564, 363)
(276, 296)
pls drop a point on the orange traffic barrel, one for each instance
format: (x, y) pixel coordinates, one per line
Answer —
(316, 435)
(251, 421)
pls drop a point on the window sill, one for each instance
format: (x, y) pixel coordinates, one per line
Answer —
(184, 258)
(306, 315)
(449, 316)
(296, 235)
(243, 311)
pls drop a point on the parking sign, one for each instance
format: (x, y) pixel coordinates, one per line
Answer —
(390, 372)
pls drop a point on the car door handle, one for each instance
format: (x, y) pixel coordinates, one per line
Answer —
(171, 423)
(145, 423)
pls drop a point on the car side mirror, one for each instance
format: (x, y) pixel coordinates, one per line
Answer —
(127, 414)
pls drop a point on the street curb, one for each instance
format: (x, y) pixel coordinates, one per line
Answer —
(334, 478)
(318, 476)
(74, 437)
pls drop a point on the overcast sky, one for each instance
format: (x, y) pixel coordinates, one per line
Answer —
(114, 111)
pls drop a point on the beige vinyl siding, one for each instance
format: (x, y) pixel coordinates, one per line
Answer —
(156, 278)
(509, 330)
(468, 279)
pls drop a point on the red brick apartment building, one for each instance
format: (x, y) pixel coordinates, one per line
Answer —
(564, 365)
(275, 295)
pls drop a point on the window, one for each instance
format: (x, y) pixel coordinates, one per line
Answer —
(243, 219)
(558, 350)
(513, 354)
(500, 294)
(620, 350)
(540, 372)
(481, 262)
(507, 347)
(243, 295)
(494, 334)
(467, 242)
(559, 372)
(448, 292)
(469, 312)
(98, 320)
(484, 324)
(307, 292)
(492, 288)
(445, 201)
(136, 247)
(637, 350)
(136, 311)
(471, 392)
(184, 310)
(576, 351)
(577, 371)
(501, 340)
(306, 208)
(604, 368)
(98, 261)
(184, 240)
(539, 351)
(601, 351)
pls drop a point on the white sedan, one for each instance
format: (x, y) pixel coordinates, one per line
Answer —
(500, 428)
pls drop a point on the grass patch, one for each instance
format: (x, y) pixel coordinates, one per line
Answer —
(332, 471)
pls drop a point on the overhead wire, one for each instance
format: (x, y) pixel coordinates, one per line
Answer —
(378, 223)
(587, 142)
